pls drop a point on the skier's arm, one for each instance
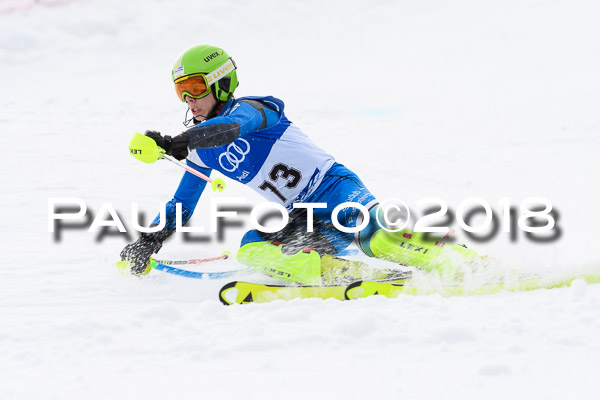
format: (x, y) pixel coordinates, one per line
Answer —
(247, 116)
(188, 193)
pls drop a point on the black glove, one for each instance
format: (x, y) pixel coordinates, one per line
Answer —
(139, 253)
(176, 146)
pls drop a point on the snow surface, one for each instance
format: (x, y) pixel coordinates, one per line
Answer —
(493, 99)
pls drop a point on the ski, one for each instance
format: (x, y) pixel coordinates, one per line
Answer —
(362, 289)
(246, 292)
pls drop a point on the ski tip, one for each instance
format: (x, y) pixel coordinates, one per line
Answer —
(349, 289)
(223, 292)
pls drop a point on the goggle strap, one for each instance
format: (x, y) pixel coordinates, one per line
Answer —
(220, 72)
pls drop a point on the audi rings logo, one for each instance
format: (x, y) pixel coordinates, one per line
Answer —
(234, 155)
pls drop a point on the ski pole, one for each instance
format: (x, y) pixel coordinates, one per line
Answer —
(218, 185)
(223, 256)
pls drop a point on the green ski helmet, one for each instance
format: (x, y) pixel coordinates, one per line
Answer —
(203, 69)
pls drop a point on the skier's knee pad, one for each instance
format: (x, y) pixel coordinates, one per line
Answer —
(412, 248)
(266, 256)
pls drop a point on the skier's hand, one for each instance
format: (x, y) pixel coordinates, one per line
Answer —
(174, 146)
(158, 138)
(138, 254)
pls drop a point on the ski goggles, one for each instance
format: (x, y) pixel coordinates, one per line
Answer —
(198, 85)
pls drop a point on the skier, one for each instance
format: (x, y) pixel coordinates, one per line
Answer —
(250, 140)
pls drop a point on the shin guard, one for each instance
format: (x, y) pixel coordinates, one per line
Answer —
(304, 267)
(429, 254)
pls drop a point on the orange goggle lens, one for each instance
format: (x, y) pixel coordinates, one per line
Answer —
(192, 85)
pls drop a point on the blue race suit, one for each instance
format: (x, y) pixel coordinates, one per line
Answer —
(265, 151)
